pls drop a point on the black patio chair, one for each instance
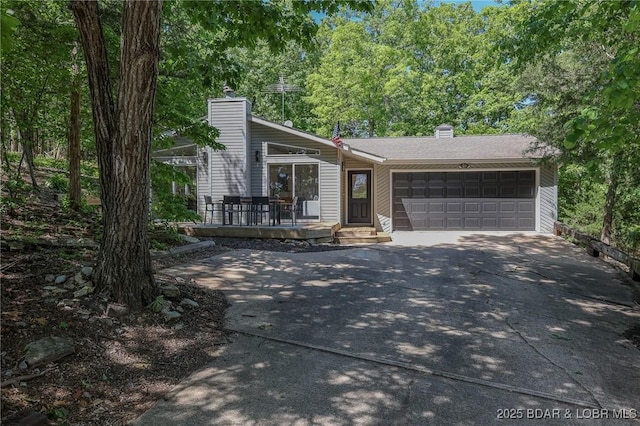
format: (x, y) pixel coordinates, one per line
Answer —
(208, 207)
(231, 207)
(259, 209)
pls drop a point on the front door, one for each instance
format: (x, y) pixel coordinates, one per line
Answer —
(359, 197)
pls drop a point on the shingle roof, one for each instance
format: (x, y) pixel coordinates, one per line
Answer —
(467, 148)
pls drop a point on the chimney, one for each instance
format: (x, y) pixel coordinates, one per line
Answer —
(444, 131)
(229, 92)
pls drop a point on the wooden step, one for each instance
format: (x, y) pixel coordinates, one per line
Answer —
(356, 232)
(362, 235)
(383, 237)
(369, 239)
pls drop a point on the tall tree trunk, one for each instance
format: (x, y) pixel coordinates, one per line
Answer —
(26, 132)
(610, 199)
(75, 189)
(123, 140)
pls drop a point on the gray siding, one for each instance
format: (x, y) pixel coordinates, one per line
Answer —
(328, 169)
(229, 171)
(548, 197)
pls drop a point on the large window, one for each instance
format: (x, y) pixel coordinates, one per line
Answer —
(289, 180)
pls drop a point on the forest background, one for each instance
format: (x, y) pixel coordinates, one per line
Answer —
(565, 72)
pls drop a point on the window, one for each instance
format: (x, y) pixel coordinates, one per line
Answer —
(298, 179)
(280, 149)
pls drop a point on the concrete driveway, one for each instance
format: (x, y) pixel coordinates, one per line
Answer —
(512, 329)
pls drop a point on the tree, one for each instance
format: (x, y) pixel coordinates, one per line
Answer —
(124, 129)
(123, 133)
(35, 73)
(408, 67)
(606, 117)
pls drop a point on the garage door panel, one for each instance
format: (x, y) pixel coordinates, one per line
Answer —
(454, 207)
(454, 222)
(436, 207)
(464, 200)
(472, 207)
(471, 223)
(489, 207)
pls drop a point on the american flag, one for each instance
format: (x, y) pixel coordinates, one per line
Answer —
(335, 138)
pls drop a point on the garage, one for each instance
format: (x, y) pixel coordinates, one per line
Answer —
(465, 200)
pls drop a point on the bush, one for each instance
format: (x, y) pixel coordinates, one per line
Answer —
(57, 182)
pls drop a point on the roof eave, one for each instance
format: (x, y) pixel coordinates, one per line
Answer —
(291, 131)
(362, 154)
(461, 160)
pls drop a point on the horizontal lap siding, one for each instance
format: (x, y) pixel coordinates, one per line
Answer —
(328, 168)
(548, 197)
(229, 174)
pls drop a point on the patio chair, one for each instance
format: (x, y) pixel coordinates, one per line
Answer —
(208, 207)
(291, 208)
(232, 206)
(259, 209)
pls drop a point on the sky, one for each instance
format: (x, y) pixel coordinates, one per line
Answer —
(477, 4)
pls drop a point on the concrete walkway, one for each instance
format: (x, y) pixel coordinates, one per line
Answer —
(515, 329)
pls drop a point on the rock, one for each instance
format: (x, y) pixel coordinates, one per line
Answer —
(179, 326)
(21, 324)
(55, 290)
(188, 303)
(70, 284)
(170, 315)
(106, 321)
(117, 311)
(14, 245)
(60, 279)
(23, 365)
(83, 291)
(48, 349)
(170, 290)
(50, 278)
(86, 272)
(79, 278)
(189, 239)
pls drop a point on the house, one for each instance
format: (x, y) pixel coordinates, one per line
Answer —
(442, 182)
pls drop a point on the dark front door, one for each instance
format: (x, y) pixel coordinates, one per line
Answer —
(359, 201)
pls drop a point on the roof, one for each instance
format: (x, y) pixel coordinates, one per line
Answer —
(291, 130)
(459, 148)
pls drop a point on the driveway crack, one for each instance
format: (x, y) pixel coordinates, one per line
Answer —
(567, 373)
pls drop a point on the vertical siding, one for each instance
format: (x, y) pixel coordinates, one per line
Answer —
(229, 171)
(328, 166)
(548, 197)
